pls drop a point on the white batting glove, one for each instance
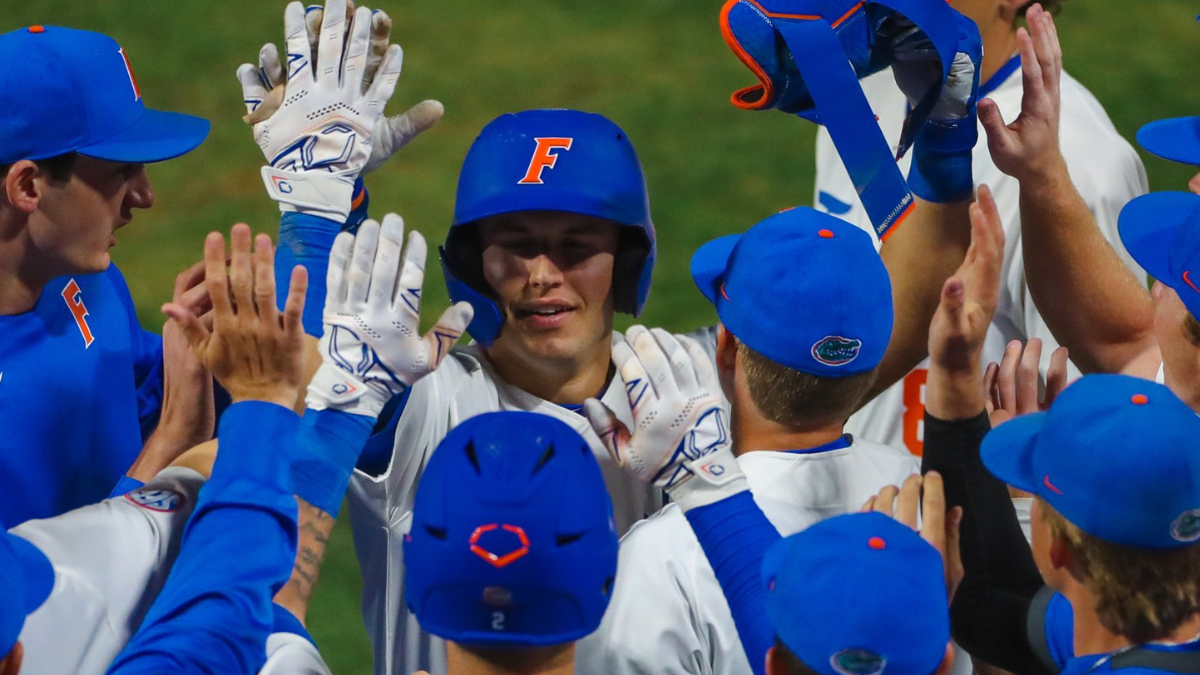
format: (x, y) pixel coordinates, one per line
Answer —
(371, 348)
(263, 89)
(681, 429)
(320, 138)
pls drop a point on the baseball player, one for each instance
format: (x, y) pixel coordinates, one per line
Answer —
(512, 552)
(73, 145)
(1103, 165)
(805, 319)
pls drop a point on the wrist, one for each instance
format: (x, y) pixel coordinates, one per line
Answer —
(1046, 179)
(316, 193)
(283, 395)
(954, 393)
(714, 477)
(941, 170)
(335, 389)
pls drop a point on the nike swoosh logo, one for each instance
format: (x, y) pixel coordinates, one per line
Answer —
(1048, 484)
(832, 204)
(1188, 281)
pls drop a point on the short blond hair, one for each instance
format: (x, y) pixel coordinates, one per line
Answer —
(792, 398)
(1141, 594)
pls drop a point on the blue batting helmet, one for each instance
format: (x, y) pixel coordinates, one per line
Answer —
(549, 160)
(512, 540)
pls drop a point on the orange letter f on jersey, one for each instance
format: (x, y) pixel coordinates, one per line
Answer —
(543, 159)
(73, 297)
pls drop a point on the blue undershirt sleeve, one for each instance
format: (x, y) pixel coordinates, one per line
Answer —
(330, 442)
(735, 536)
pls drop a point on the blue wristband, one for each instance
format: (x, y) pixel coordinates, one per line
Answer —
(125, 486)
(257, 442)
(329, 445)
(941, 166)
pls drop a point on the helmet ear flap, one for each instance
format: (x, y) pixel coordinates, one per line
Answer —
(633, 254)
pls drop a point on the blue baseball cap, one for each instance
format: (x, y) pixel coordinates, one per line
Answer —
(1175, 139)
(1115, 455)
(802, 288)
(859, 594)
(26, 579)
(65, 90)
(1161, 231)
(512, 540)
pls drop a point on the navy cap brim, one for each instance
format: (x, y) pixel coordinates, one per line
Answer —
(709, 263)
(1175, 139)
(157, 136)
(1147, 226)
(1007, 451)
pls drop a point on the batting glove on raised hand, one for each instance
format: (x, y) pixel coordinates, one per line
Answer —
(263, 88)
(371, 348)
(681, 429)
(319, 139)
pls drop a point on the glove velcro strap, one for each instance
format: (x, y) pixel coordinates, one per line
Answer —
(336, 389)
(714, 477)
(320, 194)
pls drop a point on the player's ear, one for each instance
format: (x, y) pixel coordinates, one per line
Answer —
(947, 663)
(1060, 554)
(726, 350)
(11, 664)
(20, 188)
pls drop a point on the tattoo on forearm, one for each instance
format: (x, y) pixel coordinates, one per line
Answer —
(314, 537)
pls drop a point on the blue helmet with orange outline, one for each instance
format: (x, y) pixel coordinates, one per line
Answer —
(549, 160)
(512, 541)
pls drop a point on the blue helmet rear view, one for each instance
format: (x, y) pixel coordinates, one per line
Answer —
(512, 540)
(549, 160)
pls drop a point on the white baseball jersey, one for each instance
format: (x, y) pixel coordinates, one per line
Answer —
(110, 561)
(290, 654)
(668, 614)
(1105, 169)
(463, 386)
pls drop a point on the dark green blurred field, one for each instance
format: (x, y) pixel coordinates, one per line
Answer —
(657, 67)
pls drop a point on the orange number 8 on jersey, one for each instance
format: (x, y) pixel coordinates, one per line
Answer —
(914, 411)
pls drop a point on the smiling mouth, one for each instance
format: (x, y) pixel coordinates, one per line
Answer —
(542, 312)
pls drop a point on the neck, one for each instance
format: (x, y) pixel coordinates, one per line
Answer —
(561, 381)
(999, 45)
(554, 660)
(1091, 637)
(751, 433)
(20, 284)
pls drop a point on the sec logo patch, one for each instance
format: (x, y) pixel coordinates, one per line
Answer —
(163, 501)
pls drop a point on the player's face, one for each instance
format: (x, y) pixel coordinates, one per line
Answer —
(76, 221)
(552, 273)
(1181, 358)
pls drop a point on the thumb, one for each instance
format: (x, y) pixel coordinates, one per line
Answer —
(421, 117)
(449, 327)
(999, 136)
(953, 300)
(612, 432)
(193, 331)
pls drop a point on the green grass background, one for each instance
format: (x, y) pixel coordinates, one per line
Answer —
(657, 67)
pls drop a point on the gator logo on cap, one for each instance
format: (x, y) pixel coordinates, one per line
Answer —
(857, 662)
(836, 350)
(1186, 527)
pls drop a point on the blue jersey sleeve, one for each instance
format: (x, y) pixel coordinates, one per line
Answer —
(216, 611)
(147, 352)
(735, 536)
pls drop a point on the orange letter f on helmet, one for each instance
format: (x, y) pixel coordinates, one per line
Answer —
(543, 159)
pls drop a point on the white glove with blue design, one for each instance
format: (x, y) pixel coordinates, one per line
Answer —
(320, 138)
(371, 348)
(681, 428)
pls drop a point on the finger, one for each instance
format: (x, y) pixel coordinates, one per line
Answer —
(388, 261)
(706, 374)
(952, 302)
(293, 308)
(417, 119)
(313, 16)
(253, 90)
(612, 432)
(189, 325)
(908, 502)
(214, 276)
(270, 69)
(638, 386)
(1056, 376)
(449, 327)
(381, 31)
(1027, 378)
(264, 281)
(654, 360)
(332, 43)
(300, 54)
(953, 559)
(241, 276)
(868, 505)
(354, 68)
(885, 501)
(335, 278)
(187, 280)
(933, 511)
(1043, 44)
(195, 299)
(1031, 69)
(386, 77)
(990, 393)
(358, 276)
(1008, 376)
(683, 375)
(994, 226)
(412, 276)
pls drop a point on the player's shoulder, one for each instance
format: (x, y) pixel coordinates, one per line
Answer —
(662, 536)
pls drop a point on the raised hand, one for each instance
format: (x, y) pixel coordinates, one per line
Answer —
(1011, 387)
(264, 88)
(319, 139)
(1028, 148)
(253, 349)
(679, 418)
(371, 349)
(937, 526)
